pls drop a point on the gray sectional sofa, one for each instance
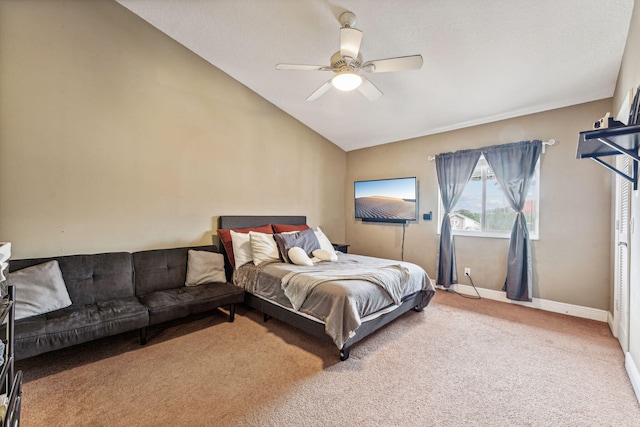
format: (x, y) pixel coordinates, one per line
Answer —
(118, 292)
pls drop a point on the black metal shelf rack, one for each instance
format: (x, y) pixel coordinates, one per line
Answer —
(10, 381)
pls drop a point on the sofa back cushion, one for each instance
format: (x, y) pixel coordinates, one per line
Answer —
(90, 278)
(160, 269)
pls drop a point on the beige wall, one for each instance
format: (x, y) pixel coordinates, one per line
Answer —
(629, 78)
(572, 256)
(115, 137)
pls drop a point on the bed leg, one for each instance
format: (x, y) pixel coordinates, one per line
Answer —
(265, 317)
(232, 312)
(344, 353)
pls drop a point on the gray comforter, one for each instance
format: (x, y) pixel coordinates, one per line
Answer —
(336, 297)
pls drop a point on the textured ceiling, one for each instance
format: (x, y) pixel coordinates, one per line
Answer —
(483, 60)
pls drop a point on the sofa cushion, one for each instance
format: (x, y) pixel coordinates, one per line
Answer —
(91, 278)
(39, 289)
(180, 302)
(77, 324)
(161, 269)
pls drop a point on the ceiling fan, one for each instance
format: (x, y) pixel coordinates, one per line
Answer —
(348, 65)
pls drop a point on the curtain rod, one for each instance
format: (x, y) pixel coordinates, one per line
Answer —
(549, 142)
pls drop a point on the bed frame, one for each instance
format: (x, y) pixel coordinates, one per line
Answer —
(415, 302)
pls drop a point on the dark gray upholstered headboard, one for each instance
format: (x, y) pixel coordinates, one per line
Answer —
(229, 222)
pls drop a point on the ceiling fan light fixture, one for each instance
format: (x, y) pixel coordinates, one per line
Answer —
(349, 67)
(346, 81)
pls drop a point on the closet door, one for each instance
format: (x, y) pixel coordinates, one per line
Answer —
(621, 277)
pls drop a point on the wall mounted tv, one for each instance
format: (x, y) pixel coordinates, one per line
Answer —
(386, 200)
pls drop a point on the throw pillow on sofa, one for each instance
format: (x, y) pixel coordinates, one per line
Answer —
(204, 267)
(39, 289)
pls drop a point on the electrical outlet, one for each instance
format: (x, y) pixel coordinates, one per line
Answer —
(467, 272)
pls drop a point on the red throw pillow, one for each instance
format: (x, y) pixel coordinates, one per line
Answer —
(284, 228)
(225, 239)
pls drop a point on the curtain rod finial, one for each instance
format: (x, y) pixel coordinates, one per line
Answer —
(545, 143)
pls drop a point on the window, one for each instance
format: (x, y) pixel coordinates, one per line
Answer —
(483, 210)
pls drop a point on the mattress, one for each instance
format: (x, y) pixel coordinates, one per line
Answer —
(341, 304)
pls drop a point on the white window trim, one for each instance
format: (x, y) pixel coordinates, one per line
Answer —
(533, 235)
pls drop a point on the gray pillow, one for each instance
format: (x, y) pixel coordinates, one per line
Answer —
(305, 239)
(39, 289)
(204, 267)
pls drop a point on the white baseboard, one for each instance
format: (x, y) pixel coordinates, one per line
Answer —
(542, 304)
(634, 375)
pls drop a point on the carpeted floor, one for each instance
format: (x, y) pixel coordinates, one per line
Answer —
(458, 363)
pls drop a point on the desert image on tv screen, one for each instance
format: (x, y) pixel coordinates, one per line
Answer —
(386, 199)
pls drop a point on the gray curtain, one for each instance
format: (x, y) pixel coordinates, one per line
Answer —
(514, 165)
(454, 171)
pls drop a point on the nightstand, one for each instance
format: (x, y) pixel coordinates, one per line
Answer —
(341, 247)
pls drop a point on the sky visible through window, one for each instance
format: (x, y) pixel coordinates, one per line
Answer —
(471, 199)
(498, 214)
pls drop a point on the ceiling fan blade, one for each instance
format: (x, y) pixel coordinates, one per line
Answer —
(350, 39)
(301, 67)
(401, 63)
(369, 90)
(320, 91)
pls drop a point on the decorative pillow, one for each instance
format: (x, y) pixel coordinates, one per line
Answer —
(263, 247)
(5, 254)
(241, 248)
(305, 239)
(39, 289)
(298, 256)
(225, 239)
(324, 241)
(285, 228)
(204, 267)
(324, 255)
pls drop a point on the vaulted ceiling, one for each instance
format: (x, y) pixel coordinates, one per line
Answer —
(483, 60)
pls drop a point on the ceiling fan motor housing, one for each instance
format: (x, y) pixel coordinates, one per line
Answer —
(348, 19)
(340, 63)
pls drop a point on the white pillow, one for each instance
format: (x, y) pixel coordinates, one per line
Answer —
(298, 256)
(241, 248)
(5, 254)
(324, 255)
(325, 243)
(39, 289)
(263, 247)
(204, 267)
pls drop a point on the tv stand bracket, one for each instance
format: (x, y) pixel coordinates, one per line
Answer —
(623, 140)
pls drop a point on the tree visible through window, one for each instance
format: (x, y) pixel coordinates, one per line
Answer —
(484, 210)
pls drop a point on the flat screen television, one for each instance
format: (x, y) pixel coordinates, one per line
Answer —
(386, 200)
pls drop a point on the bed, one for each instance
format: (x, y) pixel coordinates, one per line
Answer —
(342, 310)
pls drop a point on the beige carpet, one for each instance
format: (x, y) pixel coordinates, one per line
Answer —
(458, 363)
